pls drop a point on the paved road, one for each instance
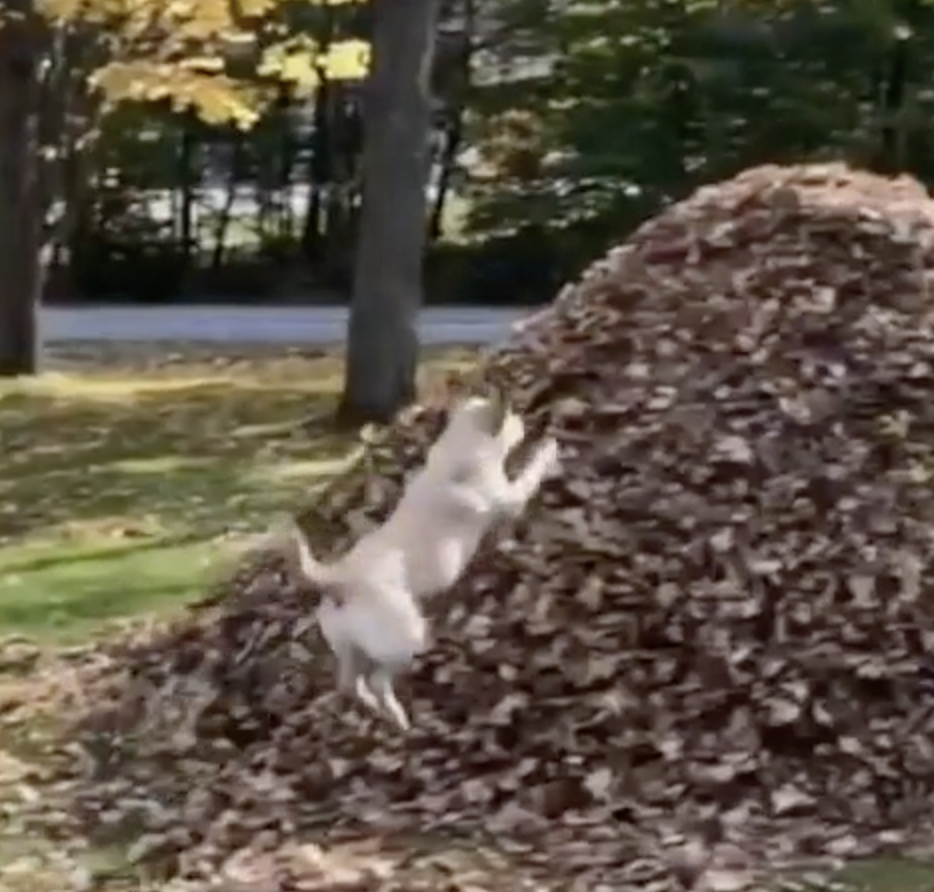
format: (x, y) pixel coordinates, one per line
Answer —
(269, 325)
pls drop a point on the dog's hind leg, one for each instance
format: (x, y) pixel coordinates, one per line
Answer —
(381, 684)
(349, 669)
(366, 695)
(354, 674)
(351, 678)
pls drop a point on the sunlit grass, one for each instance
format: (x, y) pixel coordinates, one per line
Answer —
(890, 875)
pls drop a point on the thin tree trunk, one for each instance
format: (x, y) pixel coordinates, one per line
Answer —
(455, 89)
(222, 227)
(188, 179)
(447, 163)
(319, 170)
(20, 201)
(382, 351)
(888, 157)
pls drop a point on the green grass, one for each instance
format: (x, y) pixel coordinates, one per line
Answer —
(63, 592)
(121, 488)
(891, 875)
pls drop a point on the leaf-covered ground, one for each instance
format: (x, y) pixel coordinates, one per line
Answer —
(124, 475)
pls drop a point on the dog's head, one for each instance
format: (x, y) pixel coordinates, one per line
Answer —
(480, 425)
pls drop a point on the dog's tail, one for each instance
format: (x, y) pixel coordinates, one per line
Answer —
(286, 537)
(326, 576)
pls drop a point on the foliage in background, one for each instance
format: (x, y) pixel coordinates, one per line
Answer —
(623, 107)
(559, 126)
(152, 102)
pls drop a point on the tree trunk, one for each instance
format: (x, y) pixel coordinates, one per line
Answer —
(188, 177)
(20, 210)
(319, 169)
(382, 350)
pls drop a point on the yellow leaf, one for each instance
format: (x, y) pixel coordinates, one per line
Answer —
(270, 65)
(201, 38)
(254, 9)
(347, 60)
(215, 98)
(293, 62)
(299, 69)
(212, 64)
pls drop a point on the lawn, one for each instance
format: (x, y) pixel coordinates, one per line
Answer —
(122, 484)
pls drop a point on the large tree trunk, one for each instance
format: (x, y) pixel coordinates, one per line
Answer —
(382, 350)
(20, 201)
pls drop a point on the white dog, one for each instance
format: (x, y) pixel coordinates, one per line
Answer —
(370, 615)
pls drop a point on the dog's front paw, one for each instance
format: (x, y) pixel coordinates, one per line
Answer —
(550, 457)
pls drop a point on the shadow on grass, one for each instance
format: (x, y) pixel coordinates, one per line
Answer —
(109, 509)
(25, 561)
(189, 451)
(180, 459)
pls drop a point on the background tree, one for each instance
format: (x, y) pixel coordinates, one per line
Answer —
(69, 65)
(212, 151)
(19, 220)
(614, 110)
(382, 347)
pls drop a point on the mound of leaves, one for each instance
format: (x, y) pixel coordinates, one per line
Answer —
(704, 653)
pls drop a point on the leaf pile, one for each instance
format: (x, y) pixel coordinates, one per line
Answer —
(705, 653)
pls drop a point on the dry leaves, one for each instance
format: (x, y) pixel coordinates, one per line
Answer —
(704, 654)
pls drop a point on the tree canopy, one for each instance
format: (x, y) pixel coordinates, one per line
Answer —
(225, 61)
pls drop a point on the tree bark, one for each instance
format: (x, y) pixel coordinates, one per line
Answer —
(20, 200)
(382, 350)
